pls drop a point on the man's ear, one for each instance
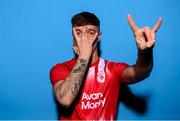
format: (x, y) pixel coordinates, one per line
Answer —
(99, 36)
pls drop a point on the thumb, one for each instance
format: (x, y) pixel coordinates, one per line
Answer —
(76, 50)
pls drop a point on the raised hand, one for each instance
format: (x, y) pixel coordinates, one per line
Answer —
(84, 40)
(145, 37)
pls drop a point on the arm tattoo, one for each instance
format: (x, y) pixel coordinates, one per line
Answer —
(79, 67)
(75, 78)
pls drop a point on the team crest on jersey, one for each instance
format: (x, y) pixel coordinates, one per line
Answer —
(101, 76)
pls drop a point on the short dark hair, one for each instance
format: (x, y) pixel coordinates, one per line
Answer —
(85, 18)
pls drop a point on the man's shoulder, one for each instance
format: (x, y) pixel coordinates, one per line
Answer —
(113, 64)
(60, 70)
(66, 64)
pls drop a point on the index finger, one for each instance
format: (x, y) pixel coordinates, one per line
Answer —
(75, 34)
(132, 23)
(158, 24)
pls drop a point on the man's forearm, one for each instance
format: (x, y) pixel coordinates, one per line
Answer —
(69, 88)
(144, 64)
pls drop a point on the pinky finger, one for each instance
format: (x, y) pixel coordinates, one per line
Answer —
(75, 34)
(158, 24)
(95, 37)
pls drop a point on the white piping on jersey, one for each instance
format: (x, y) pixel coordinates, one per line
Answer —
(101, 76)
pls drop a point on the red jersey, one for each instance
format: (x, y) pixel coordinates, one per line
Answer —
(98, 97)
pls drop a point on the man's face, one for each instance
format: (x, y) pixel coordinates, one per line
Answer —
(91, 31)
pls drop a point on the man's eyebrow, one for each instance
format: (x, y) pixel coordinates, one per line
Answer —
(77, 29)
(92, 30)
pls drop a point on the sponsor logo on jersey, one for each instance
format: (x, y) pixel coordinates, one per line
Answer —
(92, 101)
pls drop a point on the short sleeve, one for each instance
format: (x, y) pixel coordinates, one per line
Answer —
(117, 68)
(58, 72)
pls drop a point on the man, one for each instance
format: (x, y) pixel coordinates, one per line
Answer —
(88, 84)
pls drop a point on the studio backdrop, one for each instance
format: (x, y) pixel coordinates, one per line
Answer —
(36, 34)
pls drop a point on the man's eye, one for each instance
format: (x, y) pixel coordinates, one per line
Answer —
(78, 33)
(91, 33)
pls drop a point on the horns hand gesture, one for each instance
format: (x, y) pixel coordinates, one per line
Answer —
(145, 37)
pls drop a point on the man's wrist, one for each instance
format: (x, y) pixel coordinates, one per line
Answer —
(85, 58)
(145, 54)
(148, 50)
